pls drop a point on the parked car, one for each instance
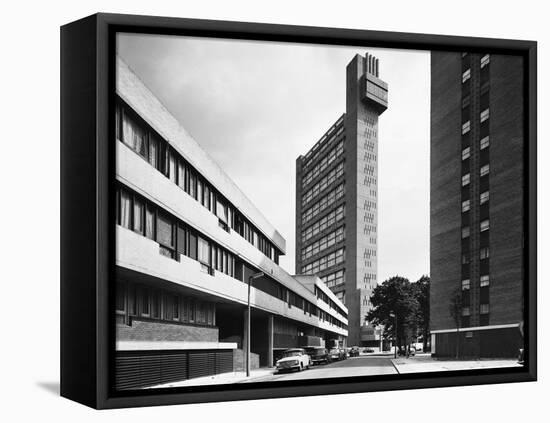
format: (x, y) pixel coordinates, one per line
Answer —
(354, 351)
(317, 355)
(418, 346)
(293, 359)
(403, 351)
(334, 354)
(343, 354)
(368, 350)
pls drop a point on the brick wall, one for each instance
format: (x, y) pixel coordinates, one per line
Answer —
(497, 343)
(144, 330)
(445, 185)
(506, 188)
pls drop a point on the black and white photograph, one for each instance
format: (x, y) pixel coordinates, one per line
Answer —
(293, 211)
(278, 211)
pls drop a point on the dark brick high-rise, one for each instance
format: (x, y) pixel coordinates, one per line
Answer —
(337, 200)
(476, 211)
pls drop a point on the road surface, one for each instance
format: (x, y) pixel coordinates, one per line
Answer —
(353, 366)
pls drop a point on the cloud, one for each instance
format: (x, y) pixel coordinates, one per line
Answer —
(256, 106)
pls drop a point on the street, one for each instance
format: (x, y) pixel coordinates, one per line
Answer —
(353, 366)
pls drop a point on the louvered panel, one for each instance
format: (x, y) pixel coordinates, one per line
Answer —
(174, 367)
(198, 364)
(140, 369)
(224, 362)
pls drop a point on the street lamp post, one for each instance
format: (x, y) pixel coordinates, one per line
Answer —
(250, 279)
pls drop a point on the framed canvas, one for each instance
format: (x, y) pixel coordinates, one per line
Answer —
(258, 211)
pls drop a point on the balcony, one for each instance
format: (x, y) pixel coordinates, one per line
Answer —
(141, 254)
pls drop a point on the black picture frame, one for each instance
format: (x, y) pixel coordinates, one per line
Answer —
(87, 243)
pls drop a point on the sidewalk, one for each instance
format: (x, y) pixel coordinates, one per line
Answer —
(425, 363)
(232, 377)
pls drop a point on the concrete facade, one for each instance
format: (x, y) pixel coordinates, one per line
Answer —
(188, 243)
(477, 197)
(355, 169)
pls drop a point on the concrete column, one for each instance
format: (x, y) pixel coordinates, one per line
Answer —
(270, 341)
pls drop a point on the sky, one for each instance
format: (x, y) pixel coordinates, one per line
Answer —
(256, 106)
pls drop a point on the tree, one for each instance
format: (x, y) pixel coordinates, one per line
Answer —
(422, 294)
(455, 309)
(395, 296)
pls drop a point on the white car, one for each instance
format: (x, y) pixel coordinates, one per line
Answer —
(294, 359)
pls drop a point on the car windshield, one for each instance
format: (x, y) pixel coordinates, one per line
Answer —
(292, 354)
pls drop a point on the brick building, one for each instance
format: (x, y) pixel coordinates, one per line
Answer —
(476, 212)
(187, 243)
(337, 200)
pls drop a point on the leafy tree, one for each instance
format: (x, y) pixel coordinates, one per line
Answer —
(455, 309)
(422, 294)
(395, 296)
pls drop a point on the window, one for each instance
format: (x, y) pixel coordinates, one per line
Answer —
(484, 309)
(465, 179)
(204, 254)
(206, 200)
(172, 168)
(133, 135)
(165, 235)
(150, 223)
(333, 279)
(465, 153)
(221, 211)
(120, 298)
(465, 284)
(469, 334)
(484, 142)
(125, 203)
(192, 184)
(484, 225)
(176, 308)
(323, 203)
(323, 223)
(192, 251)
(484, 170)
(466, 75)
(465, 127)
(153, 152)
(145, 301)
(484, 197)
(200, 191)
(465, 311)
(484, 115)
(484, 61)
(324, 262)
(484, 280)
(465, 232)
(132, 300)
(139, 208)
(323, 243)
(181, 175)
(484, 253)
(155, 305)
(466, 205)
